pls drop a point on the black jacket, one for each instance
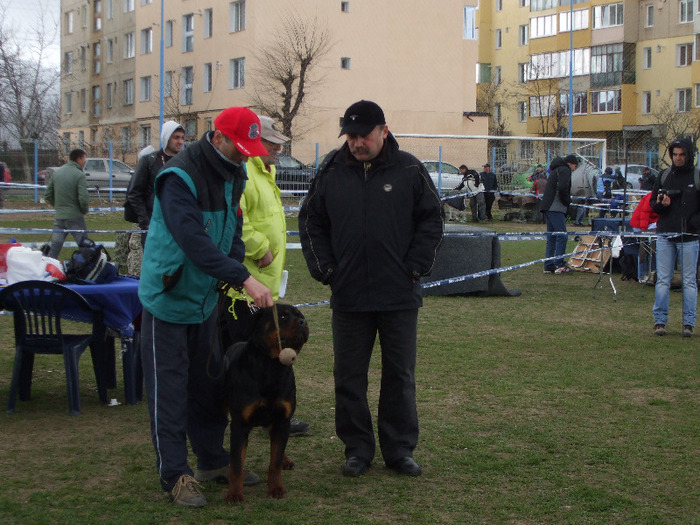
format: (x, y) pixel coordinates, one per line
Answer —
(140, 192)
(683, 215)
(558, 184)
(371, 229)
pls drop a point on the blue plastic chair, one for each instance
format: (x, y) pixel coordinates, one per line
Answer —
(38, 308)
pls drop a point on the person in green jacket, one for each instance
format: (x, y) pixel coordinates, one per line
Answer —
(67, 192)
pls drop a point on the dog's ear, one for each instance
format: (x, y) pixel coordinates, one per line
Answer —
(233, 354)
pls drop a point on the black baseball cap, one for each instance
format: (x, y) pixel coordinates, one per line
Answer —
(487, 165)
(361, 118)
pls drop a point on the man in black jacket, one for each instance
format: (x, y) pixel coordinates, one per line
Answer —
(675, 198)
(370, 227)
(556, 200)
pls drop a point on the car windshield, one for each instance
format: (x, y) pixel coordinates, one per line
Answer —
(285, 161)
(432, 166)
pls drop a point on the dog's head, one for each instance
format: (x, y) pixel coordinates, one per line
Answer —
(293, 329)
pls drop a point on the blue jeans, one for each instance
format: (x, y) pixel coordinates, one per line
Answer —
(666, 254)
(556, 244)
(59, 237)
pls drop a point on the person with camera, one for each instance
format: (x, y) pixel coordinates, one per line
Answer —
(675, 198)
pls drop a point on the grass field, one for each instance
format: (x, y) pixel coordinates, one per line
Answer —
(557, 406)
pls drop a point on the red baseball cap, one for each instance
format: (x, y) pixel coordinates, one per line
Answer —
(242, 126)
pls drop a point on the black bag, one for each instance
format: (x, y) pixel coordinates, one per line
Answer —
(90, 264)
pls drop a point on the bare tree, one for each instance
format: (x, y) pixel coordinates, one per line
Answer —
(671, 124)
(29, 98)
(287, 71)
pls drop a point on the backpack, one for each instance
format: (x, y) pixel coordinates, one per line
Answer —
(90, 264)
(696, 174)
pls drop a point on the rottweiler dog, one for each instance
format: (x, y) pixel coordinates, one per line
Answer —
(261, 391)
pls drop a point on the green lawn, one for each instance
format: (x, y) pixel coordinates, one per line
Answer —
(558, 406)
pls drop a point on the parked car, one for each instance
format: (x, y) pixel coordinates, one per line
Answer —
(293, 175)
(445, 176)
(6, 175)
(634, 173)
(97, 173)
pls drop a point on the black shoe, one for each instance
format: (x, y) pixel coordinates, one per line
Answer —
(687, 331)
(355, 466)
(660, 329)
(406, 466)
(298, 427)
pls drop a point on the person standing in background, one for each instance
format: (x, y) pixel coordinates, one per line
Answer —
(490, 182)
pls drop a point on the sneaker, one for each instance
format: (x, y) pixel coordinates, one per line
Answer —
(547, 270)
(687, 331)
(186, 493)
(563, 269)
(220, 475)
(660, 329)
(298, 427)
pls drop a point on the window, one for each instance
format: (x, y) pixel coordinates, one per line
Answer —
(469, 29)
(146, 41)
(125, 138)
(580, 17)
(144, 136)
(65, 140)
(145, 89)
(345, 7)
(236, 16)
(190, 126)
(685, 11)
(168, 36)
(68, 63)
(83, 100)
(499, 5)
(109, 9)
(498, 39)
(646, 58)
(609, 101)
(81, 139)
(129, 6)
(496, 113)
(542, 106)
(522, 72)
(68, 103)
(208, 22)
(580, 102)
(110, 51)
(344, 62)
(207, 77)
(607, 65)
(129, 92)
(236, 73)
(524, 3)
(483, 73)
(83, 58)
(608, 15)
(556, 64)
(69, 23)
(187, 80)
(542, 26)
(523, 35)
(649, 15)
(683, 100)
(95, 101)
(541, 5)
(110, 94)
(646, 102)
(96, 53)
(168, 84)
(497, 75)
(522, 111)
(129, 45)
(697, 95)
(684, 54)
(98, 15)
(188, 33)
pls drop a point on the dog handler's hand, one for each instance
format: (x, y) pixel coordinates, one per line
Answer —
(261, 295)
(265, 260)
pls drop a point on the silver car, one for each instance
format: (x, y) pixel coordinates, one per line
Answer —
(445, 176)
(97, 173)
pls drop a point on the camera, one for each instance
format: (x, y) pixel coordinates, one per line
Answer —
(670, 193)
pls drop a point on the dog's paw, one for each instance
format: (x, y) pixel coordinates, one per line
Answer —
(275, 491)
(234, 497)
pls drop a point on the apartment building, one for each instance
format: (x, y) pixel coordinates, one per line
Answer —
(633, 79)
(416, 60)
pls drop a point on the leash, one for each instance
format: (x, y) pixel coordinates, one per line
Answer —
(275, 317)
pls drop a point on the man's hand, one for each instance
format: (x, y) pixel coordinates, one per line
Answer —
(265, 260)
(261, 295)
(664, 199)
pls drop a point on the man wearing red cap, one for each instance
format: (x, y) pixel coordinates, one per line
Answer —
(194, 241)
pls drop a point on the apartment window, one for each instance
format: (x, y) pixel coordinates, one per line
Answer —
(207, 77)
(129, 45)
(168, 36)
(109, 9)
(345, 62)
(208, 124)
(345, 7)
(144, 136)
(697, 95)
(83, 58)
(81, 139)
(524, 3)
(187, 80)
(236, 73)
(188, 33)
(646, 102)
(607, 65)
(168, 84)
(110, 51)
(68, 62)
(542, 26)
(110, 94)
(685, 11)
(237, 16)
(608, 101)
(125, 138)
(146, 41)
(483, 73)
(580, 20)
(68, 103)
(129, 92)
(84, 16)
(496, 113)
(522, 72)
(556, 64)
(145, 89)
(98, 15)
(649, 15)
(96, 53)
(83, 100)
(608, 15)
(498, 39)
(580, 103)
(542, 106)
(95, 101)
(646, 58)
(469, 30)
(69, 23)
(683, 100)
(129, 6)
(146, 2)
(190, 126)
(684, 54)
(497, 75)
(208, 22)
(523, 34)
(522, 111)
